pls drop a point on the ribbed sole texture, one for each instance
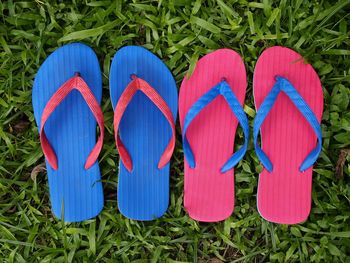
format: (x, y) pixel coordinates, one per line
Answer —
(71, 131)
(143, 194)
(284, 195)
(209, 194)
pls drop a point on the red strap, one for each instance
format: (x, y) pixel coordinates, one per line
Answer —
(79, 84)
(135, 85)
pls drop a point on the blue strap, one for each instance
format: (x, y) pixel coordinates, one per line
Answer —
(220, 89)
(282, 84)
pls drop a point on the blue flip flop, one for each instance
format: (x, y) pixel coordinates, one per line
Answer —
(66, 95)
(144, 97)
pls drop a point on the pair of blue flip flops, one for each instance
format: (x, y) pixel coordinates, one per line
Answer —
(76, 191)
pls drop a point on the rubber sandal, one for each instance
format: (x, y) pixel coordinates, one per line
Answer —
(144, 98)
(209, 123)
(66, 95)
(289, 101)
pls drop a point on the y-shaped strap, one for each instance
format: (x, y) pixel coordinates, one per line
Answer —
(79, 84)
(223, 89)
(124, 100)
(282, 84)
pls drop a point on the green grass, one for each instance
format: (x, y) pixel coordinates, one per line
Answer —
(179, 32)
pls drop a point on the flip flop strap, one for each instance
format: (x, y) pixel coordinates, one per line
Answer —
(283, 84)
(138, 84)
(79, 84)
(223, 89)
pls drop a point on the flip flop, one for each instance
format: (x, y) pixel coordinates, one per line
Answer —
(66, 95)
(209, 123)
(289, 101)
(144, 98)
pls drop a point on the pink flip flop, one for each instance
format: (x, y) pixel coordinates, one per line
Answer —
(289, 102)
(210, 107)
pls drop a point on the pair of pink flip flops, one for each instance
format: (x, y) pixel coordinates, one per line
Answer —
(289, 102)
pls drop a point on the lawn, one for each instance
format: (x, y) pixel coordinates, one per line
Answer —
(179, 32)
